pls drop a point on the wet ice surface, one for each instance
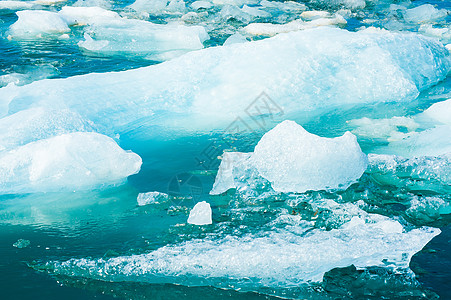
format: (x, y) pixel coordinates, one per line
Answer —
(311, 213)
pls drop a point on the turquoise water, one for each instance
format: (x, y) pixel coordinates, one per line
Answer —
(75, 234)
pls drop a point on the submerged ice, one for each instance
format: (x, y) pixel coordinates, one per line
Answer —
(293, 254)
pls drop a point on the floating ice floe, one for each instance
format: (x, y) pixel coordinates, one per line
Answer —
(151, 198)
(200, 214)
(293, 254)
(213, 86)
(153, 41)
(424, 13)
(35, 23)
(270, 29)
(157, 7)
(16, 5)
(73, 161)
(294, 160)
(74, 15)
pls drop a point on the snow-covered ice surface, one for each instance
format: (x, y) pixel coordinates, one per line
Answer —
(126, 126)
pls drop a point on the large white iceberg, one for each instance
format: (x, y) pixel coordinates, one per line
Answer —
(73, 161)
(300, 71)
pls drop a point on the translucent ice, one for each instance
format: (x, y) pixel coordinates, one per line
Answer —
(425, 13)
(225, 178)
(213, 86)
(200, 214)
(154, 41)
(151, 197)
(270, 29)
(294, 160)
(34, 23)
(74, 15)
(440, 112)
(293, 254)
(73, 161)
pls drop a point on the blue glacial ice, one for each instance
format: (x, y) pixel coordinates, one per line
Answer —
(211, 87)
(72, 161)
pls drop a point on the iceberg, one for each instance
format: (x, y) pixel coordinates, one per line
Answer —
(72, 161)
(424, 13)
(200, 214)
(294, 160)
(211, 87)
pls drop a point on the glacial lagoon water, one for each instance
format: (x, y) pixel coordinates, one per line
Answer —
(115, 116)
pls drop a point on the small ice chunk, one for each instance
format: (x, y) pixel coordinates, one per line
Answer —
(196, 5)
(86, 15)
(225, 179)
(151, 198)
(157, 7)
(34, 23)
(16, 5)
(229, 12)
(424, 13)
(21, 243)
(270, 29)
(255, 11)
(294, 160)
(314, 14)
(200, 214)
(235, 39)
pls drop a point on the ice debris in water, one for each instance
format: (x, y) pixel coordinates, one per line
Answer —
(21, 243)
(424, 13)
(110, 34)
(295, 253)
(294, 160)
(428, 209)
(420, 173)
(200, 214)
(73, 161)
(151, 198)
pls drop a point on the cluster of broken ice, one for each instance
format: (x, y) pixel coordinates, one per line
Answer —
(108, 33)
(293, 254)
